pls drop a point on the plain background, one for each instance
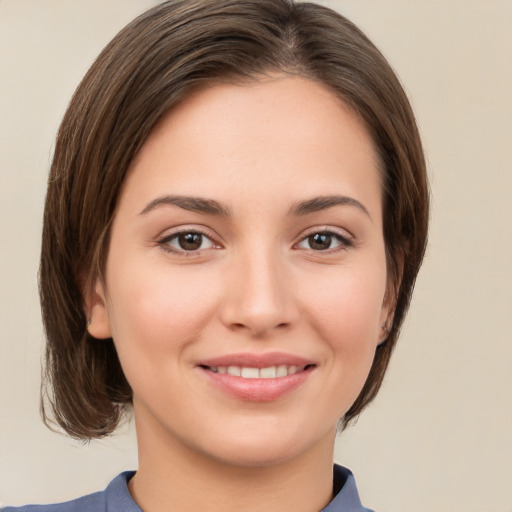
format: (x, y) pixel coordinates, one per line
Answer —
(439, 436)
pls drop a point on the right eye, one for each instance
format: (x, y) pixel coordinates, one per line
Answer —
(186, 242)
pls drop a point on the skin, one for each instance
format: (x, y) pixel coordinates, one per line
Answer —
(255, 285)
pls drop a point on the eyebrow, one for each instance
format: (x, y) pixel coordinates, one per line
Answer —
(212, 207)
(323, 202)
(191, 203)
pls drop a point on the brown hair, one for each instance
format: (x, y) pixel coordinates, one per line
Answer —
(150, 66)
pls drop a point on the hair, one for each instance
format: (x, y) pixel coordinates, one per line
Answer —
(148, 68)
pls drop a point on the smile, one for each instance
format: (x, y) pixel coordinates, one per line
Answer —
(247, 372)
(257, 378)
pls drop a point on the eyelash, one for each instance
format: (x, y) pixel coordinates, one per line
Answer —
(164, 242)
(345, 241)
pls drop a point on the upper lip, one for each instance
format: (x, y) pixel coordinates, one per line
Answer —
(249, 360)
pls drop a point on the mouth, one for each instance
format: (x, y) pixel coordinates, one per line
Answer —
(251, 372)
(257, 378)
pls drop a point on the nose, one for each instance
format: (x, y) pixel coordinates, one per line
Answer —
(259, 295)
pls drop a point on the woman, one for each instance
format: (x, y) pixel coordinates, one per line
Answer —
(236, 214)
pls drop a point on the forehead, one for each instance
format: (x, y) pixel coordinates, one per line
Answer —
(286, 134)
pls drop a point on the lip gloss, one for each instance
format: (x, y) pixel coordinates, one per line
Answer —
(257, 389)
(239, 374)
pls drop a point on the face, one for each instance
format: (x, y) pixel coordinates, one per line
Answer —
(245, 284)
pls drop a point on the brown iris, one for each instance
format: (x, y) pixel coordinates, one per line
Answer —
(320, 241)
(190, 241)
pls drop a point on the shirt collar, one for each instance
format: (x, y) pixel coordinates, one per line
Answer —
(346, 500)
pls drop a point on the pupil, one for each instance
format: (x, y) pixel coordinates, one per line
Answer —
(190, 241)
(320, 241)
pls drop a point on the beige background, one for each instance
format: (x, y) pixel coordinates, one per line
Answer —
(439, 437)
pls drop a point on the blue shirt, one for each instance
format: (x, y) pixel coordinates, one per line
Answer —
(116, 497)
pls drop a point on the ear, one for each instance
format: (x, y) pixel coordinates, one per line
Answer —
(386, 319)
(389, 302)
(98, 323)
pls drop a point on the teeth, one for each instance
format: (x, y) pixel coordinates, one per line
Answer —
(250, 373)
(234, 370)
(270, 372)
(282, 371)
(292, 370)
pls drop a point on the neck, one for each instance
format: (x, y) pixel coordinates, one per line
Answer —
(175, 477)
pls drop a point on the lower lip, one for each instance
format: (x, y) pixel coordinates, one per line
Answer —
(257, 390)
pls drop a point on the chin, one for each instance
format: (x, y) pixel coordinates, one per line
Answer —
(254, 456)
(263, 448)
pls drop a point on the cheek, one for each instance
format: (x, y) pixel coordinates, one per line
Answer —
(160, 309)
(155, 316)
(346, 309)
(348, 318)
(349, 304)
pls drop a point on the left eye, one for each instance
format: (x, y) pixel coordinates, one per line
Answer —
(324, 240)
(187, 241)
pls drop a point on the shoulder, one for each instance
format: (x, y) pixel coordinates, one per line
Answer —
(90, 503)
(115, 497)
